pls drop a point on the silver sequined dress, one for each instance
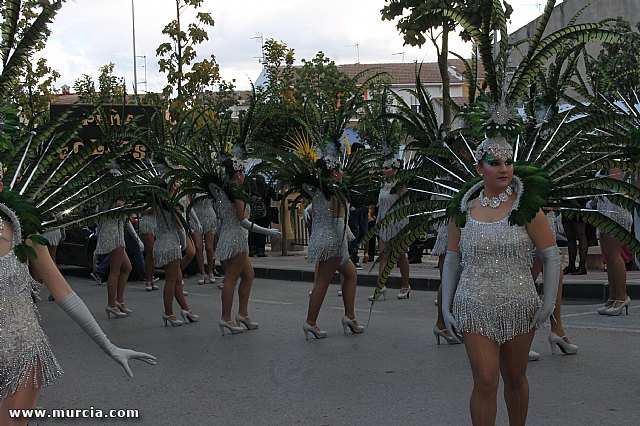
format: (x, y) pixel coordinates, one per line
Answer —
(386, 201)
(233, 238)
(110, 236)
(326, 241)
(619, 214)
(206, 215)
(147, 224)
(495, 296)
(54, 237)
(23, 345)
(168, 244)
(442, 239)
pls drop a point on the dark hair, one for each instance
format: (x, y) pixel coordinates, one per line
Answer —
(230, 171)
(322, 165)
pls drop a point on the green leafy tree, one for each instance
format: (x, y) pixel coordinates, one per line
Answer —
(110, 90)
(617, 67)
(178, 54)
(424, 19)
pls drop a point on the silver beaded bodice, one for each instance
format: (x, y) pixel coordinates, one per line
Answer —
(326, 241)
(386, 201)
(233, 238)
(23, 344)
(495, 296)
(110, 236)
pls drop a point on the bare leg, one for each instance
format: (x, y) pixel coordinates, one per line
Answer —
(24, 399)
(233, 269)
(189, 253)
(125, 270)
(179, 293)
(197, 239)
(484, 359)
(324, 273)
(116, 259)
(403, 263)
(246, 282)
(148, 240)
(209, 239)
(616, 269)
(440, 320)
(513, 367)
(172, 274)
(349, 283)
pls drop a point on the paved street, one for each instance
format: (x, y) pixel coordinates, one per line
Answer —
(392, 374)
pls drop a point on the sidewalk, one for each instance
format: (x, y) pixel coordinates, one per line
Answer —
(425, 276)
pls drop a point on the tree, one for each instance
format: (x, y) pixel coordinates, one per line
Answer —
(178, 54)
(617, 68)
(423, 21)
(111, 89)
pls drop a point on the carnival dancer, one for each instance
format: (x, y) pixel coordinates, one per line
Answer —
(208, 224)
(390, 193)
(27, 363)
(488, 294)
(111, 242)
(233, 248)
(328, 247)
(171, 239)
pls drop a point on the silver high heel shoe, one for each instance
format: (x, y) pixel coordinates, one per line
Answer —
(251, 325)
(231, 326)
(444, 333)
(556, 341)
(616, 308)
(203, 280)
(602, 309)
(188, 316)
(351, 324)
(404, 293)
(115, 312)
(123, 308)
(313, 329)
(533, 356)
(383, 293)
(212, 278)
(174, 322)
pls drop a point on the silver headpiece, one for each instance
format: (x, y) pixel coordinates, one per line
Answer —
(391, 163)
(331, 161)
(496, 146)
(238, 164)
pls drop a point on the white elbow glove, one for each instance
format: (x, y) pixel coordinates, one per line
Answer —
(450, 278)
(252, 227)
(77, 310)
(551, 278)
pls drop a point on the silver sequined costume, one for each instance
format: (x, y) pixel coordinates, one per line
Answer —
(168, 244)
(23, 345)
(233, 239)
(110, 236)
(386, 201)
(619, 214)
(442, 239)
(495, 296)
(54, 237)
(147, 224)
(206, 215)
(326, 241)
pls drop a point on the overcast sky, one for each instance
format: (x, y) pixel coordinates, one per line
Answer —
(87, 34)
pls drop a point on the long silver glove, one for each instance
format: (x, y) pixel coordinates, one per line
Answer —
(450, 278)
(252, 227)
(77, 310)
(551, 278)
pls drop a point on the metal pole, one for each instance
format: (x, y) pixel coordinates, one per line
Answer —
(135, 65)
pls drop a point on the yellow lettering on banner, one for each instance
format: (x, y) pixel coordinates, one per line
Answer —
(139, 152)
(115, 119)
(76, 146)
(63, 152)
(129, 119)
(88, 120)
(99, 150)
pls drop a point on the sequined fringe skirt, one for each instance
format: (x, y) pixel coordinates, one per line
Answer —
(440, 246)
(16, 367)
(147, 225)
(207, 217)
(54, 237)
(499, 323)
(230, 247)
(110, 236)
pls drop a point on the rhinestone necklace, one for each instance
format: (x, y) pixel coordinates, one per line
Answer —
(494, 202)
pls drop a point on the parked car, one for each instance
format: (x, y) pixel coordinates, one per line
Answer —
(77, 248)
